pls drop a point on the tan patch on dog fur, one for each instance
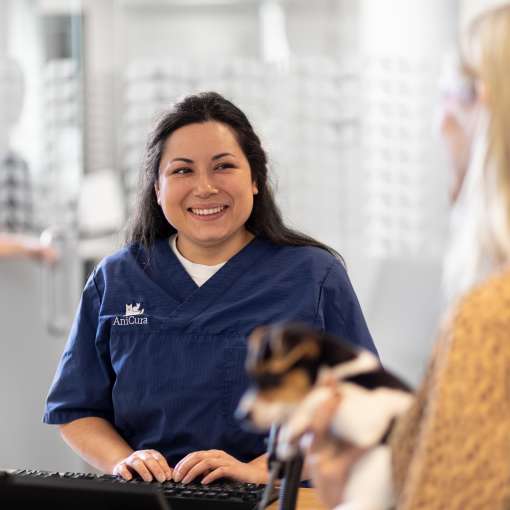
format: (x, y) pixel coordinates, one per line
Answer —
(283, 361)
(293, 387)
(257, 336)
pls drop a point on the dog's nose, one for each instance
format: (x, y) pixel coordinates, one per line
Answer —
(244, 411)
(243, 415)
(245, 406)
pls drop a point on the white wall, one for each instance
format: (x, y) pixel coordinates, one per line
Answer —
(21, 36)
(395, 262)
(99, 73)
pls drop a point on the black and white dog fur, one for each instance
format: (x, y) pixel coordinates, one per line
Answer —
(285, 362)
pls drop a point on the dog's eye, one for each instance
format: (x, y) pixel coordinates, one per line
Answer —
(266, 352)
(268, 381)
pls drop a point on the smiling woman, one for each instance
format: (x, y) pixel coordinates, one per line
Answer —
(208, 259)
(206, 195)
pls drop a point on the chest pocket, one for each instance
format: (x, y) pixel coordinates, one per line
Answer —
(187, 385)
(155, 357)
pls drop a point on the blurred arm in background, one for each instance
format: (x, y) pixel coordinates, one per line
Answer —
(12, 245)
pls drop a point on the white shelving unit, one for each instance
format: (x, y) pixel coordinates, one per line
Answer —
(306, 114)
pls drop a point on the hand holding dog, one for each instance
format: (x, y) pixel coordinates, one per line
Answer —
(313, 415)
(329, 466)
(328, 460)
(149, 464)
(215, 464)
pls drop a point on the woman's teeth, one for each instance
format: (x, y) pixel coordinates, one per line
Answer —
(205, 212)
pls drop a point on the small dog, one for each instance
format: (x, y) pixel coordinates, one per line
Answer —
(285, 362)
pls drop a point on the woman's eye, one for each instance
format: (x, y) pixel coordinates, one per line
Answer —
(181, 171)
(224, 166)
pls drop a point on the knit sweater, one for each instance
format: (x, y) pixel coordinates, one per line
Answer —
(451, 450)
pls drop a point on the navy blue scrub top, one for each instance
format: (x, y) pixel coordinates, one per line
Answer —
(163, 359)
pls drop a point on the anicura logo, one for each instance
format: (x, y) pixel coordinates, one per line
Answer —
(132, 316)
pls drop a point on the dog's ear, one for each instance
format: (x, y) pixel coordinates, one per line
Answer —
(297, 335)
(257, 337)
(282, 362)
(258, 347)
(278, 343)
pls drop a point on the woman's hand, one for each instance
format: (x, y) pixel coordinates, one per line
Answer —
(215, 464)
(149, 464)
(329, 465)
(328, 460)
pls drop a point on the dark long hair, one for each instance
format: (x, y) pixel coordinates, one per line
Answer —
(265, 221)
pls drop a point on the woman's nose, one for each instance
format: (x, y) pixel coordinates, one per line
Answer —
(204, 187)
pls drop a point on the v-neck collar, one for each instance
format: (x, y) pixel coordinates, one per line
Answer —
(176, 281)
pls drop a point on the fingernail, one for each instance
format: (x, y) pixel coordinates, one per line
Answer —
(186, 479)
(177, 476)
(161, 479)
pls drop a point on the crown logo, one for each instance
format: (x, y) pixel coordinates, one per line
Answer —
(133, 310)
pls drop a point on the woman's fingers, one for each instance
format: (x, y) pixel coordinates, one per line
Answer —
(220, 472)
(138, 465)
(185, 468)
(185, 464)
(122, 470)
(203, 462)
(204, 466)
(215, 464)
(167, 470)
(215, 468)
(322, 420)
(153, 466)
(229, 467)
(329, 464)
(148, 464)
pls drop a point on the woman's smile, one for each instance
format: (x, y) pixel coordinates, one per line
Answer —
(209, 212)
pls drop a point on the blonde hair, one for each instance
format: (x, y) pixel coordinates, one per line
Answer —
(480, 241)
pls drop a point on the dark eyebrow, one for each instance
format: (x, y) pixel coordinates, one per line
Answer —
(218, 156)
(214, 158)
(186, 160)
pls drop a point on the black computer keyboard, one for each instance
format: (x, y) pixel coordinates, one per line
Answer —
(220, 495)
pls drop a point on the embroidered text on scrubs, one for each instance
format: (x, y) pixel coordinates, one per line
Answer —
(125, 321)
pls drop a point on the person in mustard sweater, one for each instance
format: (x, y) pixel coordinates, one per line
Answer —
(451, 449)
